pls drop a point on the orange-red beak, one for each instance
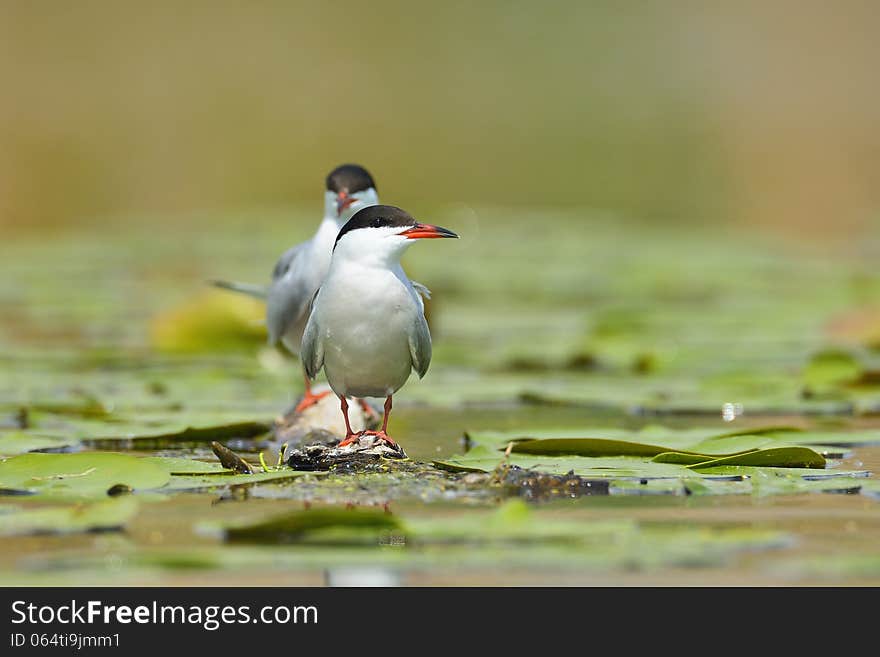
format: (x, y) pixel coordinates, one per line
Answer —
(427, 231)
(343, 200)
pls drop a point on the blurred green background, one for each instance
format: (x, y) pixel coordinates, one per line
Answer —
(754, 113)
(669, 216)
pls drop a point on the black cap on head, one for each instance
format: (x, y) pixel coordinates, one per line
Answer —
(350, 178)
(377, 216)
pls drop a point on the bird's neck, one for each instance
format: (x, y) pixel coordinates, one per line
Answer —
(329, 205)
(365, 254)
(325, 236)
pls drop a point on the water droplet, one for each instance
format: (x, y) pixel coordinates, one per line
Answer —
(731, 410)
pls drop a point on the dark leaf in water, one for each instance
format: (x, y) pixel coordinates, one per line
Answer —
(190, 434)
(296, 524)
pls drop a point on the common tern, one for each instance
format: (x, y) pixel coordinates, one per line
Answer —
(367, 326)
(301, 269)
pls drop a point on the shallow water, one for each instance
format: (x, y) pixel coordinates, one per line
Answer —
(115, 335)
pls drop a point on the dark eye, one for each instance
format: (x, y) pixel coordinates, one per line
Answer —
(376, 223)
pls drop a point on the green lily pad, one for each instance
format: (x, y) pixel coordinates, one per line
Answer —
(721, 450)
(482, 459)
(190, 474)
(81, 475)
(683, 458)
(184, 482)
(585, 447)
(832, 367)
(247, 429)
(295, 525)
(775, 484)
(20, 442)
(176, 465)
(788, 457)
(97, 516)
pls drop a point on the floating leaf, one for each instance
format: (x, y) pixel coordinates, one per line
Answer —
(190, 475)
(681, 458)
(787, 457)
(832, 367)
(211, 321)
(183, 466)
(104, 515)
(205, 481)
(730, 449)
(20, 442)
(295, 525)
(85, 474)
(189, 434)
(585, 447)
(484, 460)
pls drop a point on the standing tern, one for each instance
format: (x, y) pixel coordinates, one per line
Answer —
(367, 326)
(301, 269)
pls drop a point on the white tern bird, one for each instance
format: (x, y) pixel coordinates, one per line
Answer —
(301, 269)
(367, 326)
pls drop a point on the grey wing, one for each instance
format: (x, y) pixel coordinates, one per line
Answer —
(423, 293)
(420, 345)
(286, 260)
(288, 300)
(312, 353)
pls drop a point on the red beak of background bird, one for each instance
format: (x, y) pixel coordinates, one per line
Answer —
(343, 200)
(427, 231)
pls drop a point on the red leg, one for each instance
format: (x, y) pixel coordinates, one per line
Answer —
(383, 433)
(386, 416)
(350, 436)
(310, 398)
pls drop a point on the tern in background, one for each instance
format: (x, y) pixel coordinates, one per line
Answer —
(302, 268)
(367, 327)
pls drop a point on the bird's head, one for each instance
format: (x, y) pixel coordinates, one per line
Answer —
(383, 232)
(350, 188)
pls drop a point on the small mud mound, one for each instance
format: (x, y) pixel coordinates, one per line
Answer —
(358, 456)
(538, 486)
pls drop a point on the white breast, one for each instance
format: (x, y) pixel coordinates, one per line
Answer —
(365, 315)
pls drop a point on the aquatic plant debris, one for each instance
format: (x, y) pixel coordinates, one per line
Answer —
(536, 486)
(230, 460)
(366, 451)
